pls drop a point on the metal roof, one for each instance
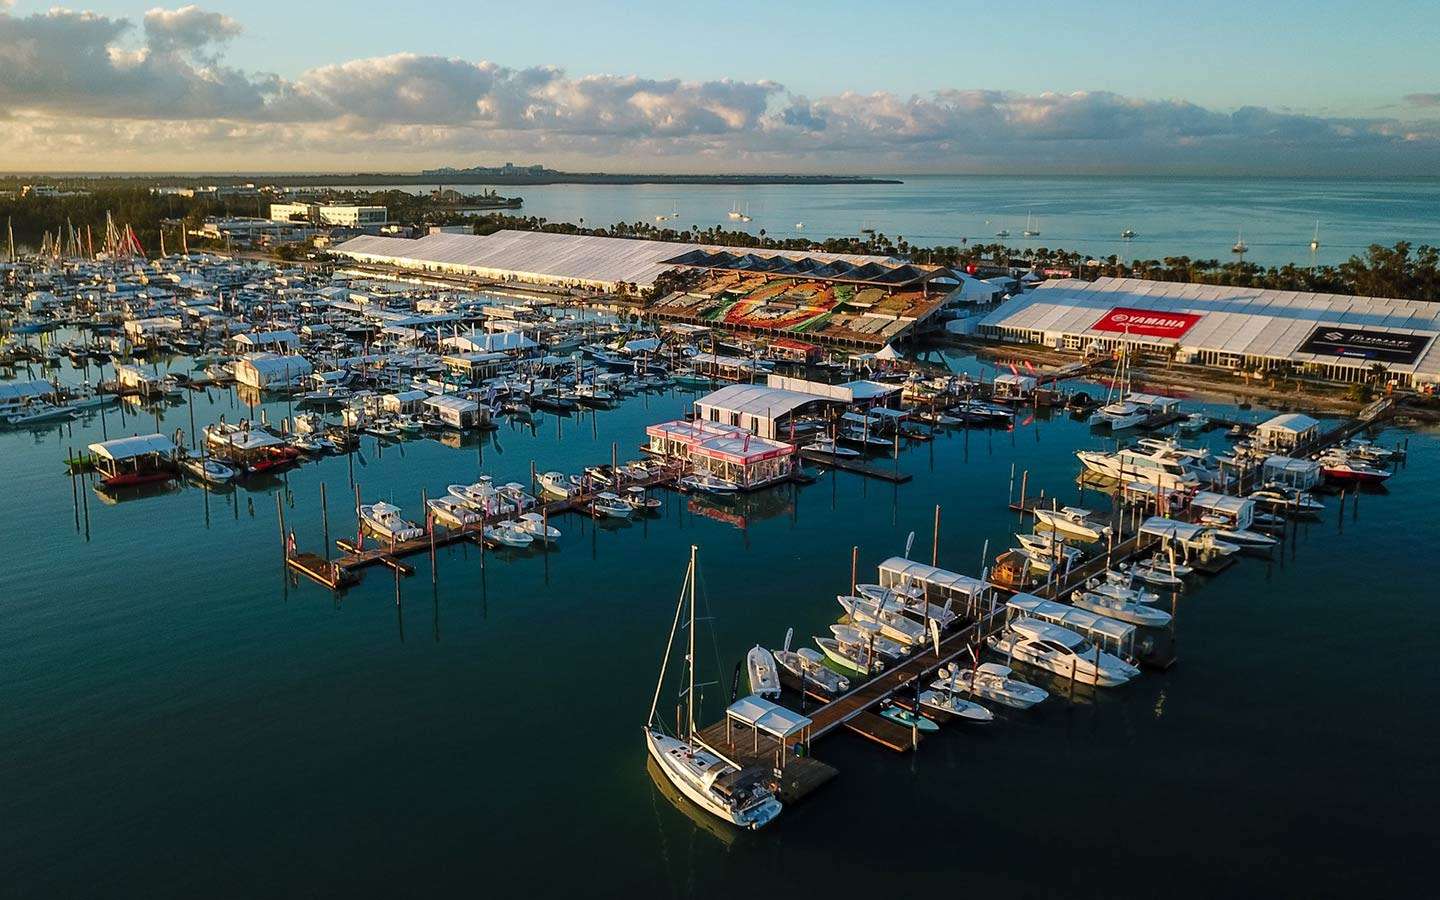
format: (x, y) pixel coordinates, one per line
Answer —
(1237, 320)
(756, 400)
(131, 447)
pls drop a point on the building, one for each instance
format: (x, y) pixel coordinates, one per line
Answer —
(763, 411)
(458, 412)
(1287, 432)
(269, 370)
(330, 214)
(1332, 336)
(724, 451)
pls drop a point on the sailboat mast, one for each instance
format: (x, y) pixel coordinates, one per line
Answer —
(665, 661)
(690, 655)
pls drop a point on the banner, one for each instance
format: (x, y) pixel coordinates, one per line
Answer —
(1146, 322)
(1366, 343)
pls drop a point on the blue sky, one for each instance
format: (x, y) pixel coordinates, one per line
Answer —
(1332, 79)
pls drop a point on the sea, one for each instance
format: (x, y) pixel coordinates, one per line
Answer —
(178, 718)
(1199, 217)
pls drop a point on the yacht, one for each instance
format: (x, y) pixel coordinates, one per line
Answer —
(1339, 466)
(1061, 651)
(993, 681)
(1239, 246)
(1030, 229)
(384, 521)
(707, 780)
(1315, 240)
(1110, 606)
(1146, 465)
(1127, 235)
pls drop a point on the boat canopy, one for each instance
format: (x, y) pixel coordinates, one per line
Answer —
(897, 570)
(132, 447)
(771, 718)
(1185, 532)
(1100, 629)
(25, 390)
(1235, 507)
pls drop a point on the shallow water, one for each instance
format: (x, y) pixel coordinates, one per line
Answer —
(177, 720)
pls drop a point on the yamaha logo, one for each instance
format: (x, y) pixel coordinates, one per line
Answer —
(1120, 318)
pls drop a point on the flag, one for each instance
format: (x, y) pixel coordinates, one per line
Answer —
(1014, 371)
(1029, 368)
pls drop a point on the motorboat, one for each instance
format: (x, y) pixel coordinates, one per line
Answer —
(902, 716)
(809, 666)
(1044, 552)
(942, 700)
(1287, 499)
(640, 500)
(478, 496)
(1156, 573)
(869, 636)
(40, 412)
(383, 430)
(610, 506)
(1119, 415)
(1070, 523)
(893, 623)
(535, 525)
(824, 444)
(1062, 651)
(708, 484)
(1193, 423)
(384, 521)
(509, 534)
(850, 657)
(557, 485)
(1243, 537)
(208, 470)
(1103, 604)
(908, 599)
(451, 512)
(513, 496)
(764, 674)
(1121, 586)
(1146, 465)
(1338, 466)
(994, 682)
(738, 796)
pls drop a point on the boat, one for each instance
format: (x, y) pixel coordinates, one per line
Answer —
(1030, 229)
(1157, 573)
(384, 521)
(640, 500)
(208, 470)
(452, 512)
(1337, 466)
(478, 496)
(764, 675)
(1061, 651)
(1192, 423)
(809, 666)
(1120, 585)
(557, 485)
(1045, 551)
(994, 682)
(892, 623)
(869, 637)
(735, 795)
(910, 599)
(535, 525)
(902, 716)
(850, 657)
(1003, 233)
(826, 445)
(1290, 500)
(1127, 235)
(1070, 523)
(709, 484)
(1124, 610)
(1226, 530)
(1239, 246)
(1315, 240)
(610, 506)
(383, 430)
(509, 534)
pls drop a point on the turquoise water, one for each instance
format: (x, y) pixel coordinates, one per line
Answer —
(1196, 217)
(177, 720)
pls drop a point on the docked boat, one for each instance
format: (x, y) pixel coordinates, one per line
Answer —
(994, 682)
(943, 698)
(892, 623)
(610, 506)
(708, 484)
(449, 511)
(908, 599)
(509, 534)
(640, 500)
(1193, 423)
(1157, 573)
(1122, 610)
(208, 470)
(809, 666)
(1157, 466)
(855, 658)
(764, 674)
(869, 636)
(1045, 551)
(1289, 500)
(1061, 651)
(738, 796)
(1339, 467)
(901, 716)
(1070, 523)
(535, 525)
(557, 485)
(479, 496)
(827, 446)
(385, 522)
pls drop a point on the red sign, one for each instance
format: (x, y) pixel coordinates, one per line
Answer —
(1146, 322)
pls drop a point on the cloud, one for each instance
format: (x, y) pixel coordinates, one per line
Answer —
(165, 83)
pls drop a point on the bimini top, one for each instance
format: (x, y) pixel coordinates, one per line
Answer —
(131, 447)
(1071, 618)
(908, 571)
(771, 718)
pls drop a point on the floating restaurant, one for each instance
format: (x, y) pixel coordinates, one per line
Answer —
(726, 452)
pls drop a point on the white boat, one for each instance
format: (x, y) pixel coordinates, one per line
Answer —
(733, 795)
(893, 623)
(851, 657)
(478, 496)
(825, 445)
(1157, 573)
(1061, 651)
(708, 484)
(868, 636)
(1119, 415)
(1069, 522)
(1146, 466)
(610, 506)
(508, 534)
(1193, 423)
(910, 599)
(764, 675)
(639, 500)
(1044, 552)
(534, 524)
(1127, 235)
(1243, 537)
(809, 666)
(995, 682)
(557, 485)
(1287, 499)
(1239, 246)
(36, 413)
(384, 521)
(944, 701)
(451, 512)
(209, 470)
(1121, 586)
(1113, 607)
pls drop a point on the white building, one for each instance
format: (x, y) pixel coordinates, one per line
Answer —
(269, 370)
(329, 214)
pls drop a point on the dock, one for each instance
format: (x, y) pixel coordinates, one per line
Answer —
(857, 466)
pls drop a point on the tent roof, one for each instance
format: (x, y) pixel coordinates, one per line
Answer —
(768, 717)
(131, 447)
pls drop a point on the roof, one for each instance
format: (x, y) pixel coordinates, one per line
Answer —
(21, 390)
(1171, 528)
(757, 400)
(539, 255)
(875, 270)
(276, 364)
(1080, 620)
(1040, 630)
(1222, 502)
(909, 570)
(1295, 423)
(1245, 321)
(452, 402)
(131, 447)
(768, 717)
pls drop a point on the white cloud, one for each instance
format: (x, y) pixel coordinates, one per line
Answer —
(75, 73)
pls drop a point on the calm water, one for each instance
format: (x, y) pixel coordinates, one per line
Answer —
(1197, 217)
(176, 721)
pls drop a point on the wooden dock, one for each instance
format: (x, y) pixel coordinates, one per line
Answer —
(856, 465)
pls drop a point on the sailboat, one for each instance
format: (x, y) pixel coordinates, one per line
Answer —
(1127, 235)
(1315, 241)
(735, 212)
(1030, 229)
(735, 795)
(1240, 245)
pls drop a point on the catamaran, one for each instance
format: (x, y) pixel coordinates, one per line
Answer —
(720, 788)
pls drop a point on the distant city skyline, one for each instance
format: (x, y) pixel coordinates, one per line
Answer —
(908, 88)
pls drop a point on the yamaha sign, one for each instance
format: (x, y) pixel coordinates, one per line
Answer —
(1146, 322)
(1366, 343)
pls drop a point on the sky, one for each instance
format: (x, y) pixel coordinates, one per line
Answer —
(1277, 87)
